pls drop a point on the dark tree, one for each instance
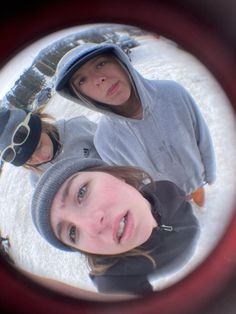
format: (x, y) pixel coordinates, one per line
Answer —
(32, 79)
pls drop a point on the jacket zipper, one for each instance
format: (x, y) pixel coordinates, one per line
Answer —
(166, 228)
(175, 229)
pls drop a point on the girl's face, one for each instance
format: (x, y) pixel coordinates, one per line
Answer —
(101, 214)
(104, 80)
(43, 152)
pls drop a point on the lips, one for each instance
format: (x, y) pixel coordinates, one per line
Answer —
(113, 89)
(123, 228)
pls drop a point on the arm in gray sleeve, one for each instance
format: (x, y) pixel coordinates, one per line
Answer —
(203, 138)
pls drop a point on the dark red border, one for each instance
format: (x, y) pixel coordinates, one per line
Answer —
(20, 295)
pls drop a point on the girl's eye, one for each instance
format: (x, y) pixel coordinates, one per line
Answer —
(81, 81)
(82, 192)
(72, 234)
(101, 64)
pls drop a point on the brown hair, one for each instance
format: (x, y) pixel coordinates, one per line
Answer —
(137, 178)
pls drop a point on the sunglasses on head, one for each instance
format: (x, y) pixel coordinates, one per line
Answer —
(19, 137)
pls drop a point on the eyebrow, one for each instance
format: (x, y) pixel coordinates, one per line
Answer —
(92, 61)
(97, 58)
(66, 190)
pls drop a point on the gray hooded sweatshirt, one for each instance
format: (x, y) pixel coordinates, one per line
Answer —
(76, 138)
(171, 141)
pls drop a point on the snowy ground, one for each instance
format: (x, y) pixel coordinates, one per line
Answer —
(155, 58)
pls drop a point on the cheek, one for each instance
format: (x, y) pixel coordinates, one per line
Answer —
(87, 90)
(122, 74)
(127, 93)
(123, 196)
(109, 198)
(132, 197)
(48, 147)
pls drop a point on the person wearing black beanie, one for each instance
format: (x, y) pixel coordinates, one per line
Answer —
(27, 136)
(31, 140)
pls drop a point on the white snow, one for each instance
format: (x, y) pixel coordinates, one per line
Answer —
(155, 58)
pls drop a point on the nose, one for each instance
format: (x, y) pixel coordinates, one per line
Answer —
(99, 80)
(95, 223)
(38, 157)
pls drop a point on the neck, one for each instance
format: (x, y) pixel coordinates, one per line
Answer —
(131, 109)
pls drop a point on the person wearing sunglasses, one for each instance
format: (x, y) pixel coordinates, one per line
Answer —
(34, 140)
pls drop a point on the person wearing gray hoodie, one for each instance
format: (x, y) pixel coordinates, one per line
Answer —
(153, 124)
(29, 139)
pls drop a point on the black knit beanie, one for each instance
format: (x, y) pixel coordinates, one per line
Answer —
(9, 120)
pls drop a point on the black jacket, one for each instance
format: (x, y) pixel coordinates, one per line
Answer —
(170, 243)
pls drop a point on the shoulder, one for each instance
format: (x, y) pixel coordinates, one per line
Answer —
(80, 120)
(164, 188)
(80, 123)
(169, 199)
(106, 121)
(60, 125)
(172, 86)
(106, 127)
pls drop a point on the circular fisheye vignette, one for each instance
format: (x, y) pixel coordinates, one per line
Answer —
(225, 246)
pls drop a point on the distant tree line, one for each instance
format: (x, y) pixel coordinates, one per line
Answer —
(43, 67)
(25, 88)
